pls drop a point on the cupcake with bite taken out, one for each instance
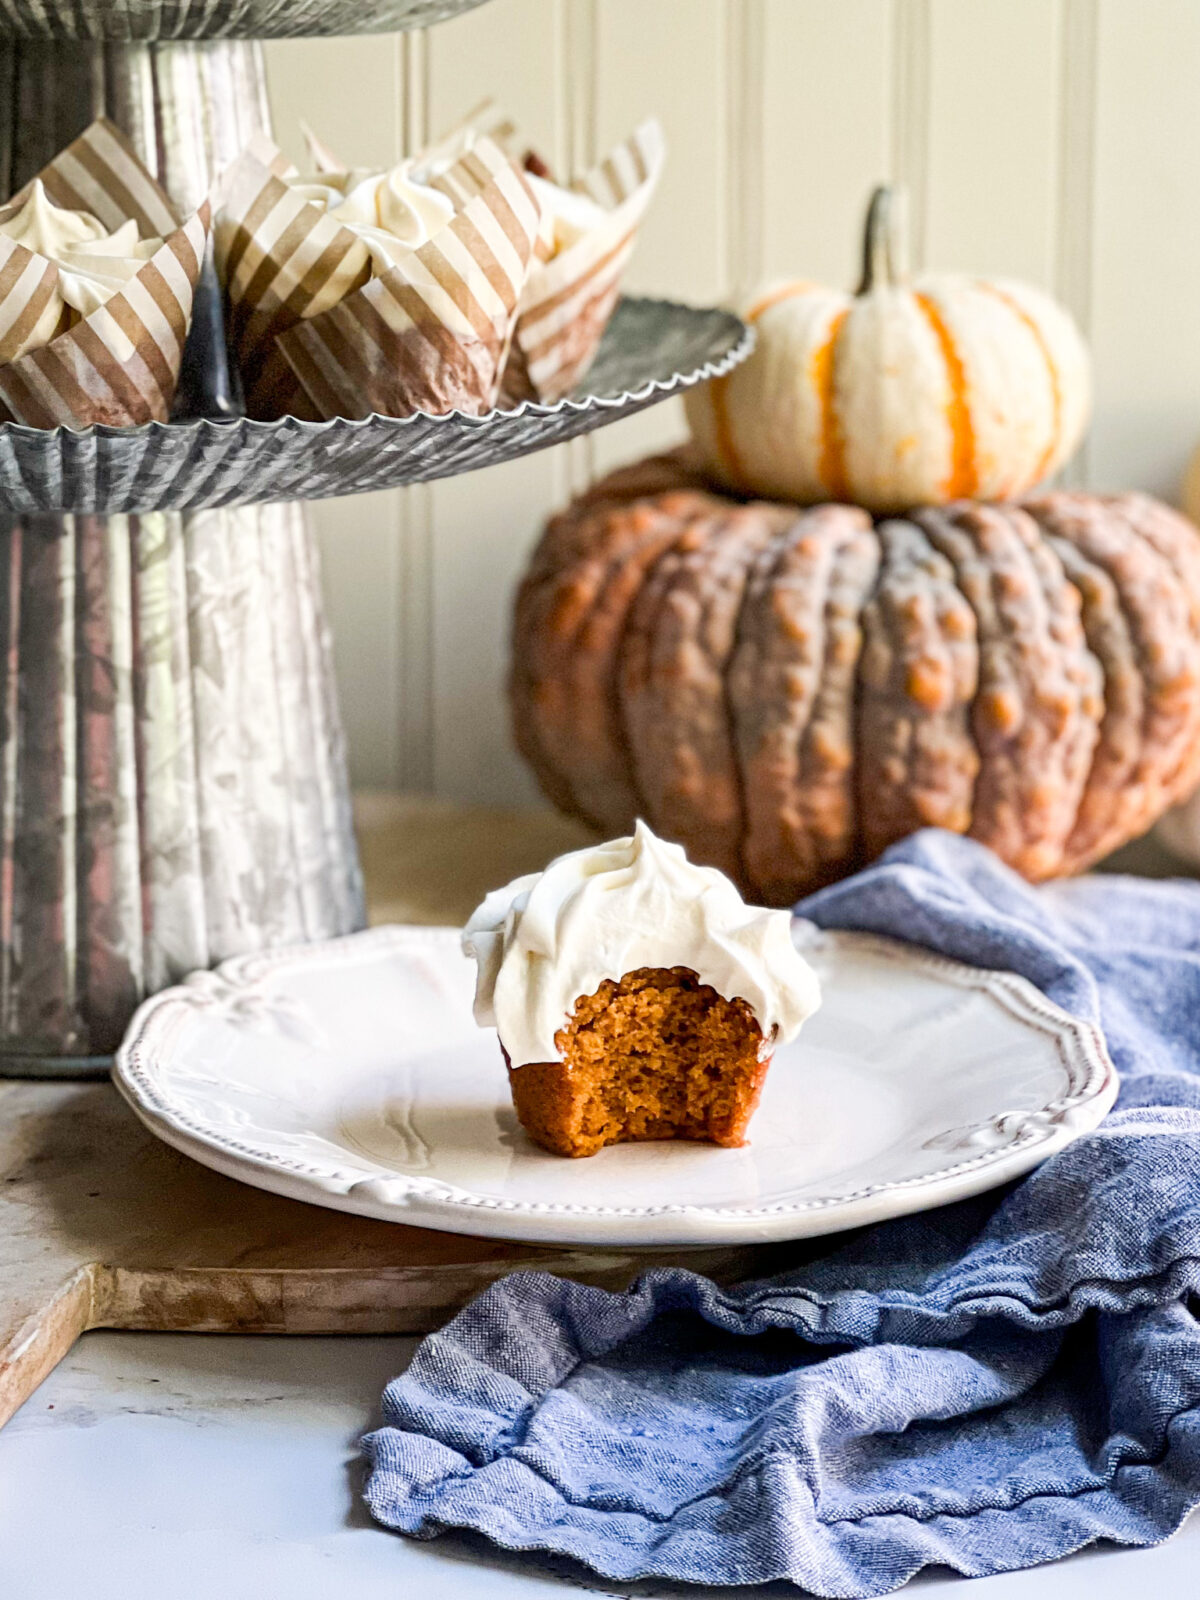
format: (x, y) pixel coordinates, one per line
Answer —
(636, 996)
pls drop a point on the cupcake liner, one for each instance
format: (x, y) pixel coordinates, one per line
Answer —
(316, 336)
(120, 364)
(280, 259)
(569, 298)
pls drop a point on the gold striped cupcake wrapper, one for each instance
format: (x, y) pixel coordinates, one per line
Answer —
(281, 259)
(315, 334)
(432, 333)
(569, 298)
(120, 365)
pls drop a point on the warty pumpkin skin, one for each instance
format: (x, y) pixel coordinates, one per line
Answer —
(950, 387)
(788, 690)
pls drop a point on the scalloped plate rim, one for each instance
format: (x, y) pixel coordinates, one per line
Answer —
(424, 1202)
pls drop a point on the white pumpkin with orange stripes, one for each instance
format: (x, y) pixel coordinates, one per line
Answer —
(945, 387)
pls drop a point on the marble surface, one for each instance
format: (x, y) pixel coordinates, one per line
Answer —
(190, 1466)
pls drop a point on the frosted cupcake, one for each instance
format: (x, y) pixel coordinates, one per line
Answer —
(392, 212)
(93, 263)
(636, 996)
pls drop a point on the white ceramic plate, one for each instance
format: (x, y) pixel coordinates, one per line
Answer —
(351, 1074)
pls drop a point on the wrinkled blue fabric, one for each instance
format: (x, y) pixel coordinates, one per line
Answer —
(985, 1386)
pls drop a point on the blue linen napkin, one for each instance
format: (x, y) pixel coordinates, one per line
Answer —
(985, 1386)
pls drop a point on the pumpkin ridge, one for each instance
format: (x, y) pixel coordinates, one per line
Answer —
(1175, 538)
(1028, 715)
(916, 761)
(772, 526)
(1080, 669)
(792, 685)
(963, 477)
(672, 687)
(831, 459)
(759, 578)
(769, 718)
(555, 603)
(1156, 612)
(1169, 532)
(828, 791)
(705, 509)
(633, 664)
(1115, 792)
(601, 752)
(1048, 455)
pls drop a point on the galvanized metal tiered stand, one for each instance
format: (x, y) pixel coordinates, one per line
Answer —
(172, 772)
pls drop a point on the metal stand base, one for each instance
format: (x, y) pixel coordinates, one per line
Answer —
(172, 771)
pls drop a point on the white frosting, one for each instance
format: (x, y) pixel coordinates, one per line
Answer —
(391, 212)
(93, 264)
(549, 938)
(571, 214)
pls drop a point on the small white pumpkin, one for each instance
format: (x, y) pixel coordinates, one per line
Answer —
(902, 394)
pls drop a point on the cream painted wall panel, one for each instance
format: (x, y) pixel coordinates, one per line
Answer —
(672, 59)
(510, 51)
(993, 137)
(361, 546)
(1076, 188)
(669, 58)
(1146, 243)
(348, 91)
(483, 526)
(826, 133)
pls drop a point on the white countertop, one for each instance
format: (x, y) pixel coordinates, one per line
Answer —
(212, 1467)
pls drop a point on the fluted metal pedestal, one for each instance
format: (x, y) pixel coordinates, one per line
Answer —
(172, 772)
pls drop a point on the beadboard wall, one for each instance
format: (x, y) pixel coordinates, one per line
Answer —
(1058, 140)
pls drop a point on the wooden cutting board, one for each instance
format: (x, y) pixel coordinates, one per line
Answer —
(101, 1226)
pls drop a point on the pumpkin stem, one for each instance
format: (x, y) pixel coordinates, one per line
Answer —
(884, 244)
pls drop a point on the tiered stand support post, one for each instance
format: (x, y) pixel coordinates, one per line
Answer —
(172, 770)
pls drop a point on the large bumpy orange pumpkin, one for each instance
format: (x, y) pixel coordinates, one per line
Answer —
(903, 394)
(787, 691)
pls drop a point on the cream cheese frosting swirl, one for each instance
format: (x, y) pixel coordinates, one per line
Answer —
(391, 212)
(549, 938)
(570, 214)
(93, 264)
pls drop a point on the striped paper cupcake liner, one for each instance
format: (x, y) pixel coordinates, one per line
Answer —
(568, 298)
(120, 364)
(317, 336)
